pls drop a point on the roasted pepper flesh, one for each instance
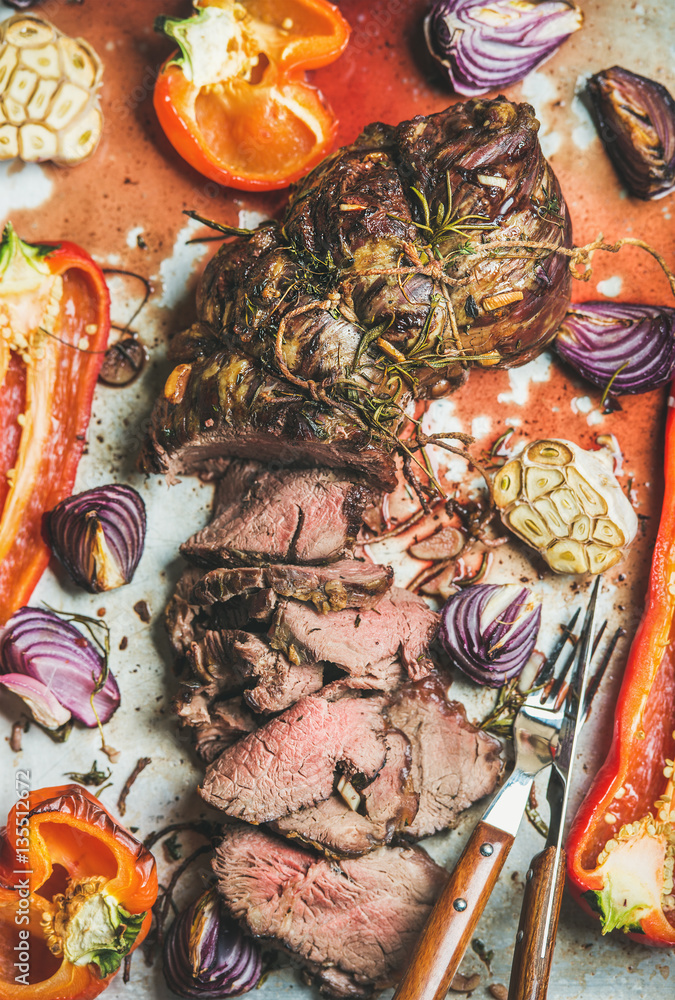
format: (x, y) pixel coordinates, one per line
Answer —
(621, 849)
(235, 103)
(54, 324)
(77, 887)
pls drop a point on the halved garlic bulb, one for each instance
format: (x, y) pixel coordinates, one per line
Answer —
(566, 503)
(49, 107)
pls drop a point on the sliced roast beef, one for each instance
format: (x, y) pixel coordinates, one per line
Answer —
(402, 625)
(384, 806)
(345, 584)
(302, 516)
(228, 722)
(352, 924)
(454, 764)
(180, 614)
(278, 682)
(292, 761)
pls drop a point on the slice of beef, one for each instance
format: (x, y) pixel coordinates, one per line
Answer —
(181, 611)
(297, 516)
(388, 803)
(454, 764)
(228, 722)
(291, 762)
(351, 924)
(227, 405)
(345, 584)
(402, 625)
(278, 682)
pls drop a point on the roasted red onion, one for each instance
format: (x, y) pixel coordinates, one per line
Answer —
(39, 644)
(99, 535)
(485, 45)
(45, 708)
(489, 631)
(628, 348)
(206, 954)
(636, 118)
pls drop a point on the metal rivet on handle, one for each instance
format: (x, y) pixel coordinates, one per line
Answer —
(460, 905)
(519, 936)
(529, 875)
(486, 850)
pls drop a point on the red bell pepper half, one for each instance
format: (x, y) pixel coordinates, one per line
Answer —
(76, 892)
(235, 103)
(54, 325)
(621, 848)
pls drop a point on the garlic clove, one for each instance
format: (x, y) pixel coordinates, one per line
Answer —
(549, 453)
(591, 502)
(600, 557)
(549, 513)
(507, 484)
(581, 529)
(36, 143)
(540, 481)
(608, 533)
(45, 61)
(567, 556)
(24, 31)
(530, 525)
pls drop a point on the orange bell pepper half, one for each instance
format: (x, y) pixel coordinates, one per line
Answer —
(76, 892)
(621, 848)
(235, 103)
(54, 325)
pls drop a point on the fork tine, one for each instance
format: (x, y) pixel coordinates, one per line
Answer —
(596, 680)
(546, 671)
(585, 638)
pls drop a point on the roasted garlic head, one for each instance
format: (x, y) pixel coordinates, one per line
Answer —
(566, 503)
(49, 107)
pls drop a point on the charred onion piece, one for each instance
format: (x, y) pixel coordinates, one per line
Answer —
(50, 88)
(45, 707)
(99, 535)
(490, 631)
(39, 644)
(483, 45)
(636, 118)
(620, 347)
(123, 363)
(567, 504)
(206, 954)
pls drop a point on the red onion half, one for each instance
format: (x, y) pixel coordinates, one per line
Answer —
(636, 120)
(206, 954)
(99, 535)
(490, 631)
(46, 709)
(43, 646)
(483, 45)
(630, 346)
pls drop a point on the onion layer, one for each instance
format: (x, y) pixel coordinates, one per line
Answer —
(489, 631)
(206, 954)
(39, 699)
(99, 535)
(484, 45)
(628, 348)
(636, 118)
(41, 645)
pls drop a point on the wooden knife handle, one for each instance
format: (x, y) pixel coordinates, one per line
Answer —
(453, 919)
(535, 941)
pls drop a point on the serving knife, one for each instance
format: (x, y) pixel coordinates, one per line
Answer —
(545, 879)
(453, 919)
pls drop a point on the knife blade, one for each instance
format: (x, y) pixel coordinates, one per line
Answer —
(544, 881)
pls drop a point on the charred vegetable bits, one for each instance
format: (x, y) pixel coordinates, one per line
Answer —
(622, 348)
(49, 106)
(235, 103)
(636, 118)
(392, 274)
(483, 46)
(566, 503)
(99, 535)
